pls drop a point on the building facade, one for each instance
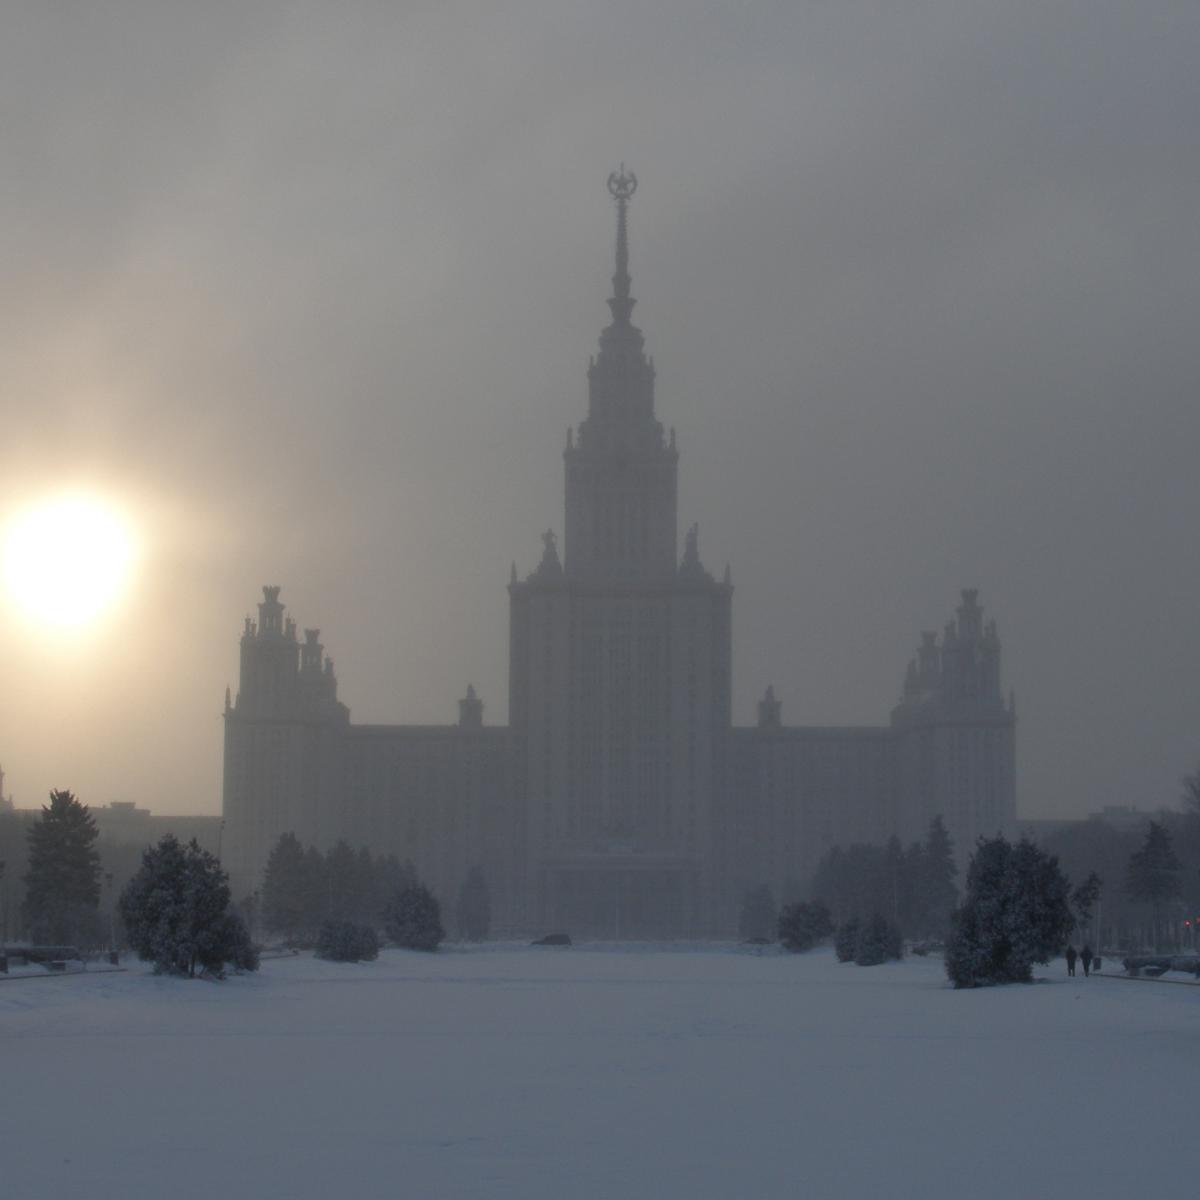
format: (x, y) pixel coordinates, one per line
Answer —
(620, 800)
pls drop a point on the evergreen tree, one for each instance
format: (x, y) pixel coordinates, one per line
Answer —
(1153, 873)
(866, 878)
(285, 900)
(176, 912)
(759, 915)
(341, 882)
(413, 919)
(1016, 912)
(936, 888)
(363, 906)
(845, 942)
(1191, 793)
(1083, 899)
(318, 905)
(857, 879)
(474, 907)
(802, 926)
(878, 941)
(62, 887)
(1094, 846)
(249, 908)
(911, 913)
(896, 883)
(233, 944)
(390, 876)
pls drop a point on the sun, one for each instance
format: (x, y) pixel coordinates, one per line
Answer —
(68, 560)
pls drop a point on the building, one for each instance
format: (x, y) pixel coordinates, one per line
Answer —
(620, 800)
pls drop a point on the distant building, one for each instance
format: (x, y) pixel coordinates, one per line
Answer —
(123, 823)
(1127, 819)
(1120, 817)
(619, 800)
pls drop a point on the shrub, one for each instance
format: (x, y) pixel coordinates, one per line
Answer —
(344, 941)
(413, 919)
(803, 925)
(878, 941)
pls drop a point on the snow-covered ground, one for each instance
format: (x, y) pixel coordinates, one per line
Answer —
(595, 1072)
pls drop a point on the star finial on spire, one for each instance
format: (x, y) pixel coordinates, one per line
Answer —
(621, 186)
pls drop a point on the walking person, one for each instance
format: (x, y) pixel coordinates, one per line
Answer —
(1071, 956)
(1086, 955)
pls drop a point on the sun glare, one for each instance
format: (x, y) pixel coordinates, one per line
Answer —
(67, 561)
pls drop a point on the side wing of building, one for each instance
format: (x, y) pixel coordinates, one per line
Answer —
(796, 793)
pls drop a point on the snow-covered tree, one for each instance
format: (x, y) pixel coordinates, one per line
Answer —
(936, 892)
(1191, 793)
(413, 918)
(1084, 897)
(1153, 873)
(176, 912)
(802, 926)
(474, 910)
(1016, 912)
(62, 886)
(286, 898)
(341, 882)
(845, 940)
(878, 940)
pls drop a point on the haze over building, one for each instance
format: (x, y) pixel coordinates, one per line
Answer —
(620, 800)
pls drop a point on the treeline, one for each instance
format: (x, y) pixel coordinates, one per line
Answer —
(308, 894)
(911, 887)
(119, 861)
(175, 910)
(864, 896)
(1151, 877)
(304, 889)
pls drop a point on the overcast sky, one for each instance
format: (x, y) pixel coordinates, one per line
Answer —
(311, 289)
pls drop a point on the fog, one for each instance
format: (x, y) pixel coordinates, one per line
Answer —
(312, 290)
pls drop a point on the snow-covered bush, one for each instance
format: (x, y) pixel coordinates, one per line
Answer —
(803, 925)
(413, 919)
(344, 941)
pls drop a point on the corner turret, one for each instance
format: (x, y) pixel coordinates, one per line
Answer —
(964, 668)
(955, 734)
(470, 710)
(770, 710)
(279, 676)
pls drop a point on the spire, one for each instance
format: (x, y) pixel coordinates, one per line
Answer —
(622, 186)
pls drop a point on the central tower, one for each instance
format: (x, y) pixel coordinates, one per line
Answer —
(620, 473)
(620, 667)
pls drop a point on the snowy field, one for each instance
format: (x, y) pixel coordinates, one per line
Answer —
(601, 1072)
